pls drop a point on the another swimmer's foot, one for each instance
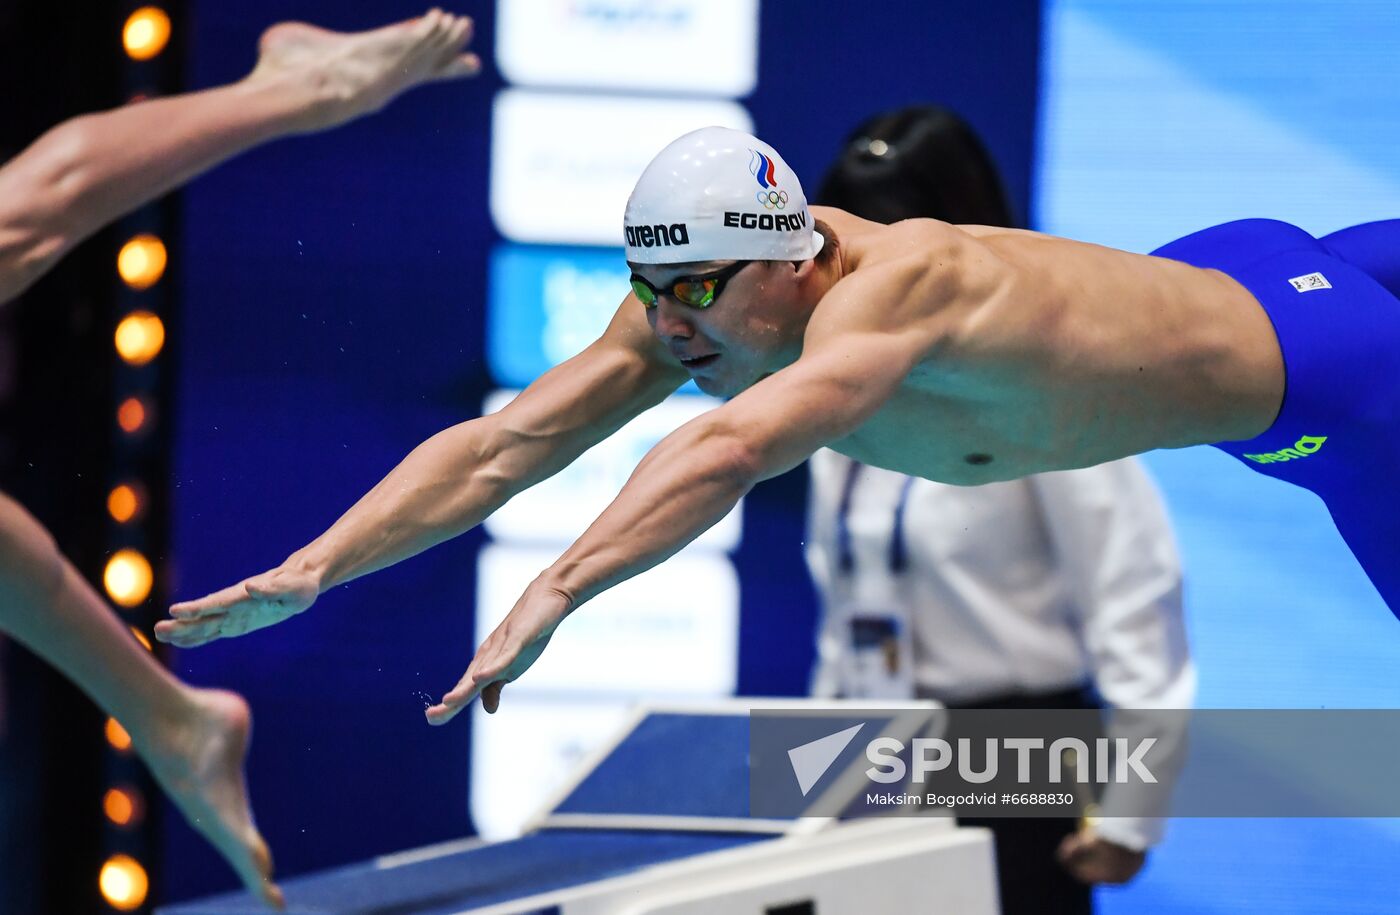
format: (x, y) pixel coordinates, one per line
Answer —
(199, 763)
(357, 73)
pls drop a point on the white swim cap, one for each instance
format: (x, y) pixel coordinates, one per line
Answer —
(718, 194)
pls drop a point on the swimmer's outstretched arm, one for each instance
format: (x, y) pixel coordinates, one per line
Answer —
(453, 481)
(92, 169)
(696, 475)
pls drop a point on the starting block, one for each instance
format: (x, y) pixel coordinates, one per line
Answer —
(657, 822)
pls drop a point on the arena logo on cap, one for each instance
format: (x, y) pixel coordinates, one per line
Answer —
(660, 234)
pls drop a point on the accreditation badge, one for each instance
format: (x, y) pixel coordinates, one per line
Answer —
(878, 662)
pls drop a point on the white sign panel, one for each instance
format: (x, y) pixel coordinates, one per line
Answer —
(704, 47)
(563, 166)
(559, 509)
(671, 631)
(521, 757)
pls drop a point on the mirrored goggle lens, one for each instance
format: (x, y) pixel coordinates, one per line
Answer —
(643, 293)
(696, 294)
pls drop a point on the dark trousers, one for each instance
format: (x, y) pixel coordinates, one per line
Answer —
(1029, 878)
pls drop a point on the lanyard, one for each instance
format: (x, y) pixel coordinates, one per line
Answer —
(846, 560)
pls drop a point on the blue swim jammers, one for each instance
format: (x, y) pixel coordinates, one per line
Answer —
(1333, 302)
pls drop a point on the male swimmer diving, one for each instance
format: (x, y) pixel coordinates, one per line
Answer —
(964, 354)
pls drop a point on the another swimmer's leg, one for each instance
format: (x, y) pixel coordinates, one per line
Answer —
(91, 169)
(1373, 247)
(193, 740)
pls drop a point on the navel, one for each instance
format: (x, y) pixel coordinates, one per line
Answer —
(978, 459)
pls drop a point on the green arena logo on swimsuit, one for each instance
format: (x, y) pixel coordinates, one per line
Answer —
(1305, 446)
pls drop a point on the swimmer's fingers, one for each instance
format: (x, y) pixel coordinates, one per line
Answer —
(453, 702)
(256, 603)
(491, 696)
(206, 629)
(218, 602)
(502, 658)
(467, 688)
(198, 622)
(190, 633)
(505, 661)
(507, 653)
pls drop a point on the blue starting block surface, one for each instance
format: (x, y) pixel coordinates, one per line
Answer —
(691, 769)
(672, 787)
(669, 764)
(488, 875)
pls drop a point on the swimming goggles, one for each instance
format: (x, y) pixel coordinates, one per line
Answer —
(697, 291)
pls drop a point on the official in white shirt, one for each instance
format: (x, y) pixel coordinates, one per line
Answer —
(1033, 593)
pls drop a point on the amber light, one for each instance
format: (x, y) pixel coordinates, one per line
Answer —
(141, 261)
(126, 502)
(124, 883)
(132, 415)
(123, 806)
(128, 578)
(139, 337)
(146, 33)
(141, 637)
(117, 736)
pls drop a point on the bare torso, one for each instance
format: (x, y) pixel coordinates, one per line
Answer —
(1040, 353)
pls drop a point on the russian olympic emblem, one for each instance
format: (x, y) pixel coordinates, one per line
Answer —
(763, 170)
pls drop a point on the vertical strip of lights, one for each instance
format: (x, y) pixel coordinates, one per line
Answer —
(137, 534)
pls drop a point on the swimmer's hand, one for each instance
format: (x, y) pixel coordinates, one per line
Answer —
(507, 653)
(254, 603)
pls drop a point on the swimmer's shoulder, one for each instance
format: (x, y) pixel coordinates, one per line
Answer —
(899, 277)
(910, 242)
(863, 237)
(923, 279)
(924, 261)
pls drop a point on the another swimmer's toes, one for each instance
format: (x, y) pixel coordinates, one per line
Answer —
(460, 66)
